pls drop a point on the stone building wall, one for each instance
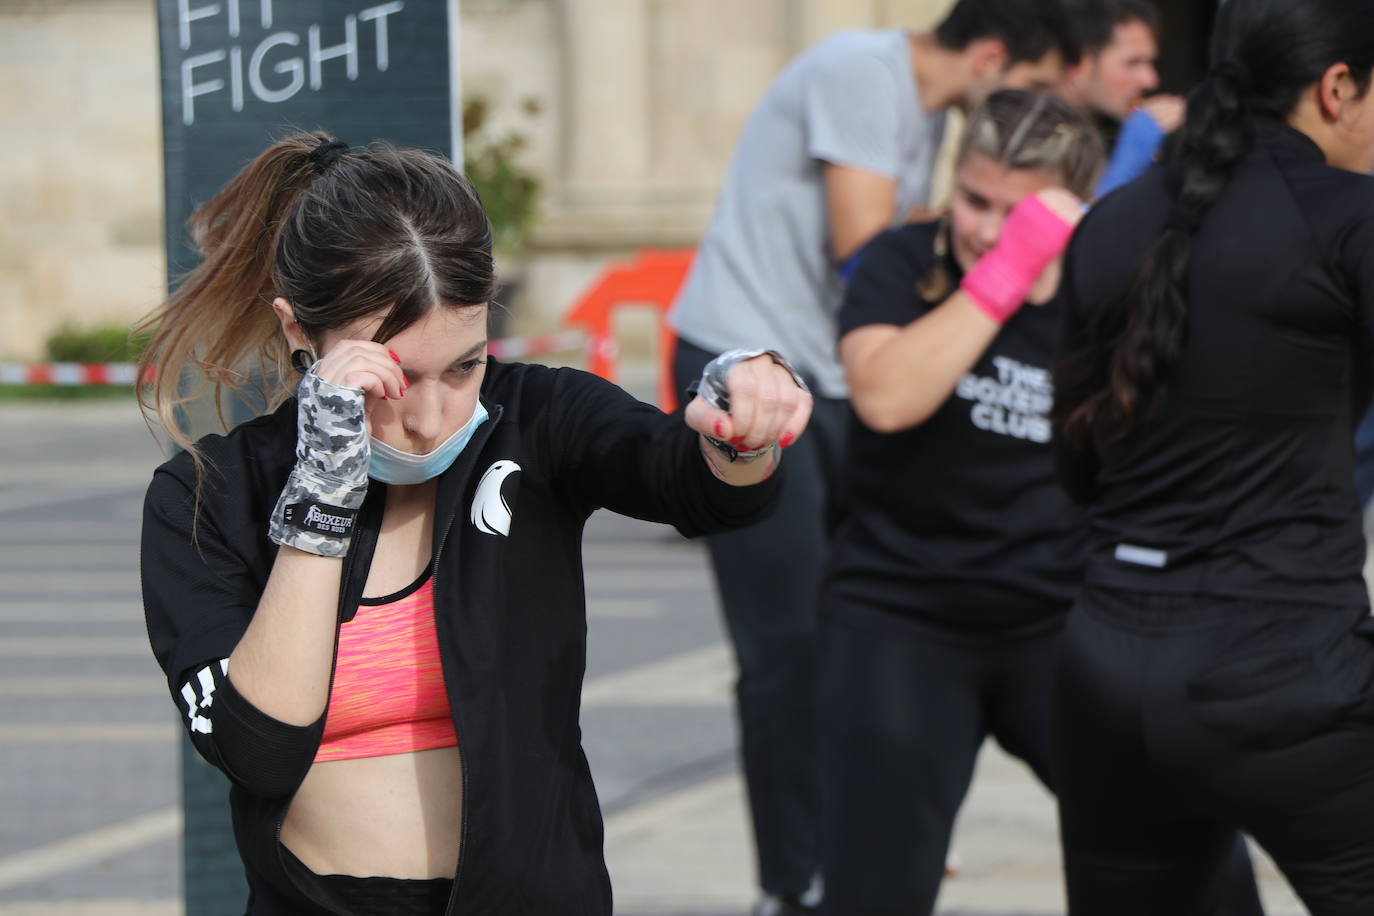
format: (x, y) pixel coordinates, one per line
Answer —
(639, 104)
(644, 100)
(80, 180)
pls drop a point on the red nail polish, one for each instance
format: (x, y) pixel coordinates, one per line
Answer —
(720, 428)
(394, 356)
(737, 441)
(786, 440)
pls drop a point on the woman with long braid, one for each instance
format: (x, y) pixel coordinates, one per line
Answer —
(1217, 672)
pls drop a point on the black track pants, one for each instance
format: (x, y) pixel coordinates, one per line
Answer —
(1180, 719)
(904, 708)
(902, 716)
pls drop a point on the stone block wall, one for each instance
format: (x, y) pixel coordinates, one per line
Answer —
(640, 102)
(80, 170)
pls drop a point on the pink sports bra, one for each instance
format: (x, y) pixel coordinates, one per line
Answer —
(388, 694)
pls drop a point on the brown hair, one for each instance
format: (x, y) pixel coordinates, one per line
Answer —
(1036, 130)
(1022, 129)
(339, 234)
(1095, 21)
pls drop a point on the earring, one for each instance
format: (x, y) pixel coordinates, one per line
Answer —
(302, 360)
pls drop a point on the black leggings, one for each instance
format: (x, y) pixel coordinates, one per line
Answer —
(374, 896)
(1181, 719)
(904, 708)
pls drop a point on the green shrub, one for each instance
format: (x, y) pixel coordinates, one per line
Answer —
(509, 192)
(108, 343)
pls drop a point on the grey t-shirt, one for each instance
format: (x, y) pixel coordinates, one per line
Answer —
(763, 274)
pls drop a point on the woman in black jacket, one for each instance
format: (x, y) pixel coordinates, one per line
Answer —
(369, 603)
(1217, 671)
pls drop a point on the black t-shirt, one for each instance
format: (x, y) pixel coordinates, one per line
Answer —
(1243, 484)
(959, 521)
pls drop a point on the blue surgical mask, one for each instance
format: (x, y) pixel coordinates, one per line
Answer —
(391, 465)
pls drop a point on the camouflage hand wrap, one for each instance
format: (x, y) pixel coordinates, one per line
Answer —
(326, 487)
(713, 390)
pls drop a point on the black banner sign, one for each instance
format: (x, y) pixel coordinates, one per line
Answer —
(236, 74)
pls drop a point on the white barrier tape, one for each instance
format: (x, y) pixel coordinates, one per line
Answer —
(68, 374)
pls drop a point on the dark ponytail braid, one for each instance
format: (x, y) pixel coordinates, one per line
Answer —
(1267, 53)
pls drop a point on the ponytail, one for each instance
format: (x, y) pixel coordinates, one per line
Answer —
(1269, 52)
(217, 326)
(342, 234)
(1135, 344)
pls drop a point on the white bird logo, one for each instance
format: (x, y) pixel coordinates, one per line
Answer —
(490, 511)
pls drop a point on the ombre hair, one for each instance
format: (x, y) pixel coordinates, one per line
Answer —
(1028, 130)
(1035, 130)
(338, 233)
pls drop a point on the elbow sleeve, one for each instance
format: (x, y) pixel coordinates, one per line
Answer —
(262, 755)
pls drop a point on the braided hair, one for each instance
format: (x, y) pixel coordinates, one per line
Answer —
(1266, 53)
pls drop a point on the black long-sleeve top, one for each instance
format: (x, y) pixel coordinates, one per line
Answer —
(509, 614)
(1242, 484)
(957, 522)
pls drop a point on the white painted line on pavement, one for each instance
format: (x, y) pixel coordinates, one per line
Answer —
(699, 678)
(73, 646)
(657, 553)
(702, 677)
(89, 733)
(12, 502)
(92, 908)
(105, 557)
(83, 685)
(57, 534)
(623, 608)
(70, 582)
(131, 473)
(651, 580)
(64, 610)
(85, 848)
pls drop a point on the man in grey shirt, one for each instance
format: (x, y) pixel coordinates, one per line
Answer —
(842, 146)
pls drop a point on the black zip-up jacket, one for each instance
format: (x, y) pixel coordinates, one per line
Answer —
(1243, 484)
(509, 609)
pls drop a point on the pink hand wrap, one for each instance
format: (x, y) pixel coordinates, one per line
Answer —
(1032, 237)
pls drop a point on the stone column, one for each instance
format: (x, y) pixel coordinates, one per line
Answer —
(607, 89)
(912, 14)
